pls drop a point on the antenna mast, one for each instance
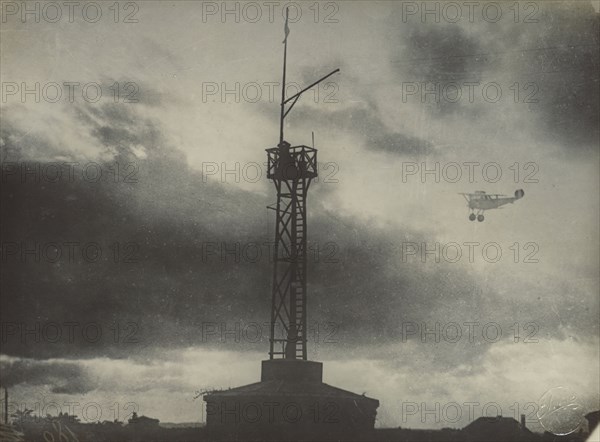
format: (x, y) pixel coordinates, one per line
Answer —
(287, 31)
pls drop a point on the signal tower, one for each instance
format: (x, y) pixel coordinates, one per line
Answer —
(292, 169)
(260, 411)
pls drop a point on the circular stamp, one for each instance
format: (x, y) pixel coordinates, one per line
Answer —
(560, 412)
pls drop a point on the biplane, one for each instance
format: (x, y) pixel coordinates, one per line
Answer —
(479, 202)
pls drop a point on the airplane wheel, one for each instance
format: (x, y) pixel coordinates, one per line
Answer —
(480, 218)
(472, 217)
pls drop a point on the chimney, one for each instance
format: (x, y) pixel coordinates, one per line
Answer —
(523, 422)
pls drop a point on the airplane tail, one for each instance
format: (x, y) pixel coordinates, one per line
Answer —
(519, 194)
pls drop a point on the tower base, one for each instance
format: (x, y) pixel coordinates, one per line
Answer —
(291, 402)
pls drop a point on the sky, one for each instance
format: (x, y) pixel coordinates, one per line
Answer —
(134, 175)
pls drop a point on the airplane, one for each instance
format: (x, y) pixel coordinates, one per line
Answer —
(481, 201)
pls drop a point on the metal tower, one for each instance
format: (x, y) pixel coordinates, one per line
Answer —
(287, 374)
(292, 169)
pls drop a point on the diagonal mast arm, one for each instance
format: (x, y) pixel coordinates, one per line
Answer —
(296, 96)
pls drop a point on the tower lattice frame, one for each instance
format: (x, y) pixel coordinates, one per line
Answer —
(292, 170)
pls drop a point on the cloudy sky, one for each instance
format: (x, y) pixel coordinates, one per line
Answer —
(168, 100)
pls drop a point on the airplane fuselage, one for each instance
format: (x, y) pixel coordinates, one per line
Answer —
(489, 203)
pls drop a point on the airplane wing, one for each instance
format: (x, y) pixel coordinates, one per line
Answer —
(466, 196)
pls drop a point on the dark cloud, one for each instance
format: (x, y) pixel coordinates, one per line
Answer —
(439, 58)
(358, 279)
(552, 61)
(162, 219)
(567, 74)
(365, 122)
(64, 377)
(434, 53)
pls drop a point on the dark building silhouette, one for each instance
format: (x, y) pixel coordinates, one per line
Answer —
(410, 435)
(291, 402)
(143, 421)
(592, 419)
(497, 429)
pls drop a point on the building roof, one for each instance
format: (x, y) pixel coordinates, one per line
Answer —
(292, 389)
(498, 422)
(497, 428)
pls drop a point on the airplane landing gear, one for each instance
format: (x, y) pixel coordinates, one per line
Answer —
(480, 218)
(472, 217)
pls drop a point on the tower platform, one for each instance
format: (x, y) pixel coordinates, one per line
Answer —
(290, 403)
